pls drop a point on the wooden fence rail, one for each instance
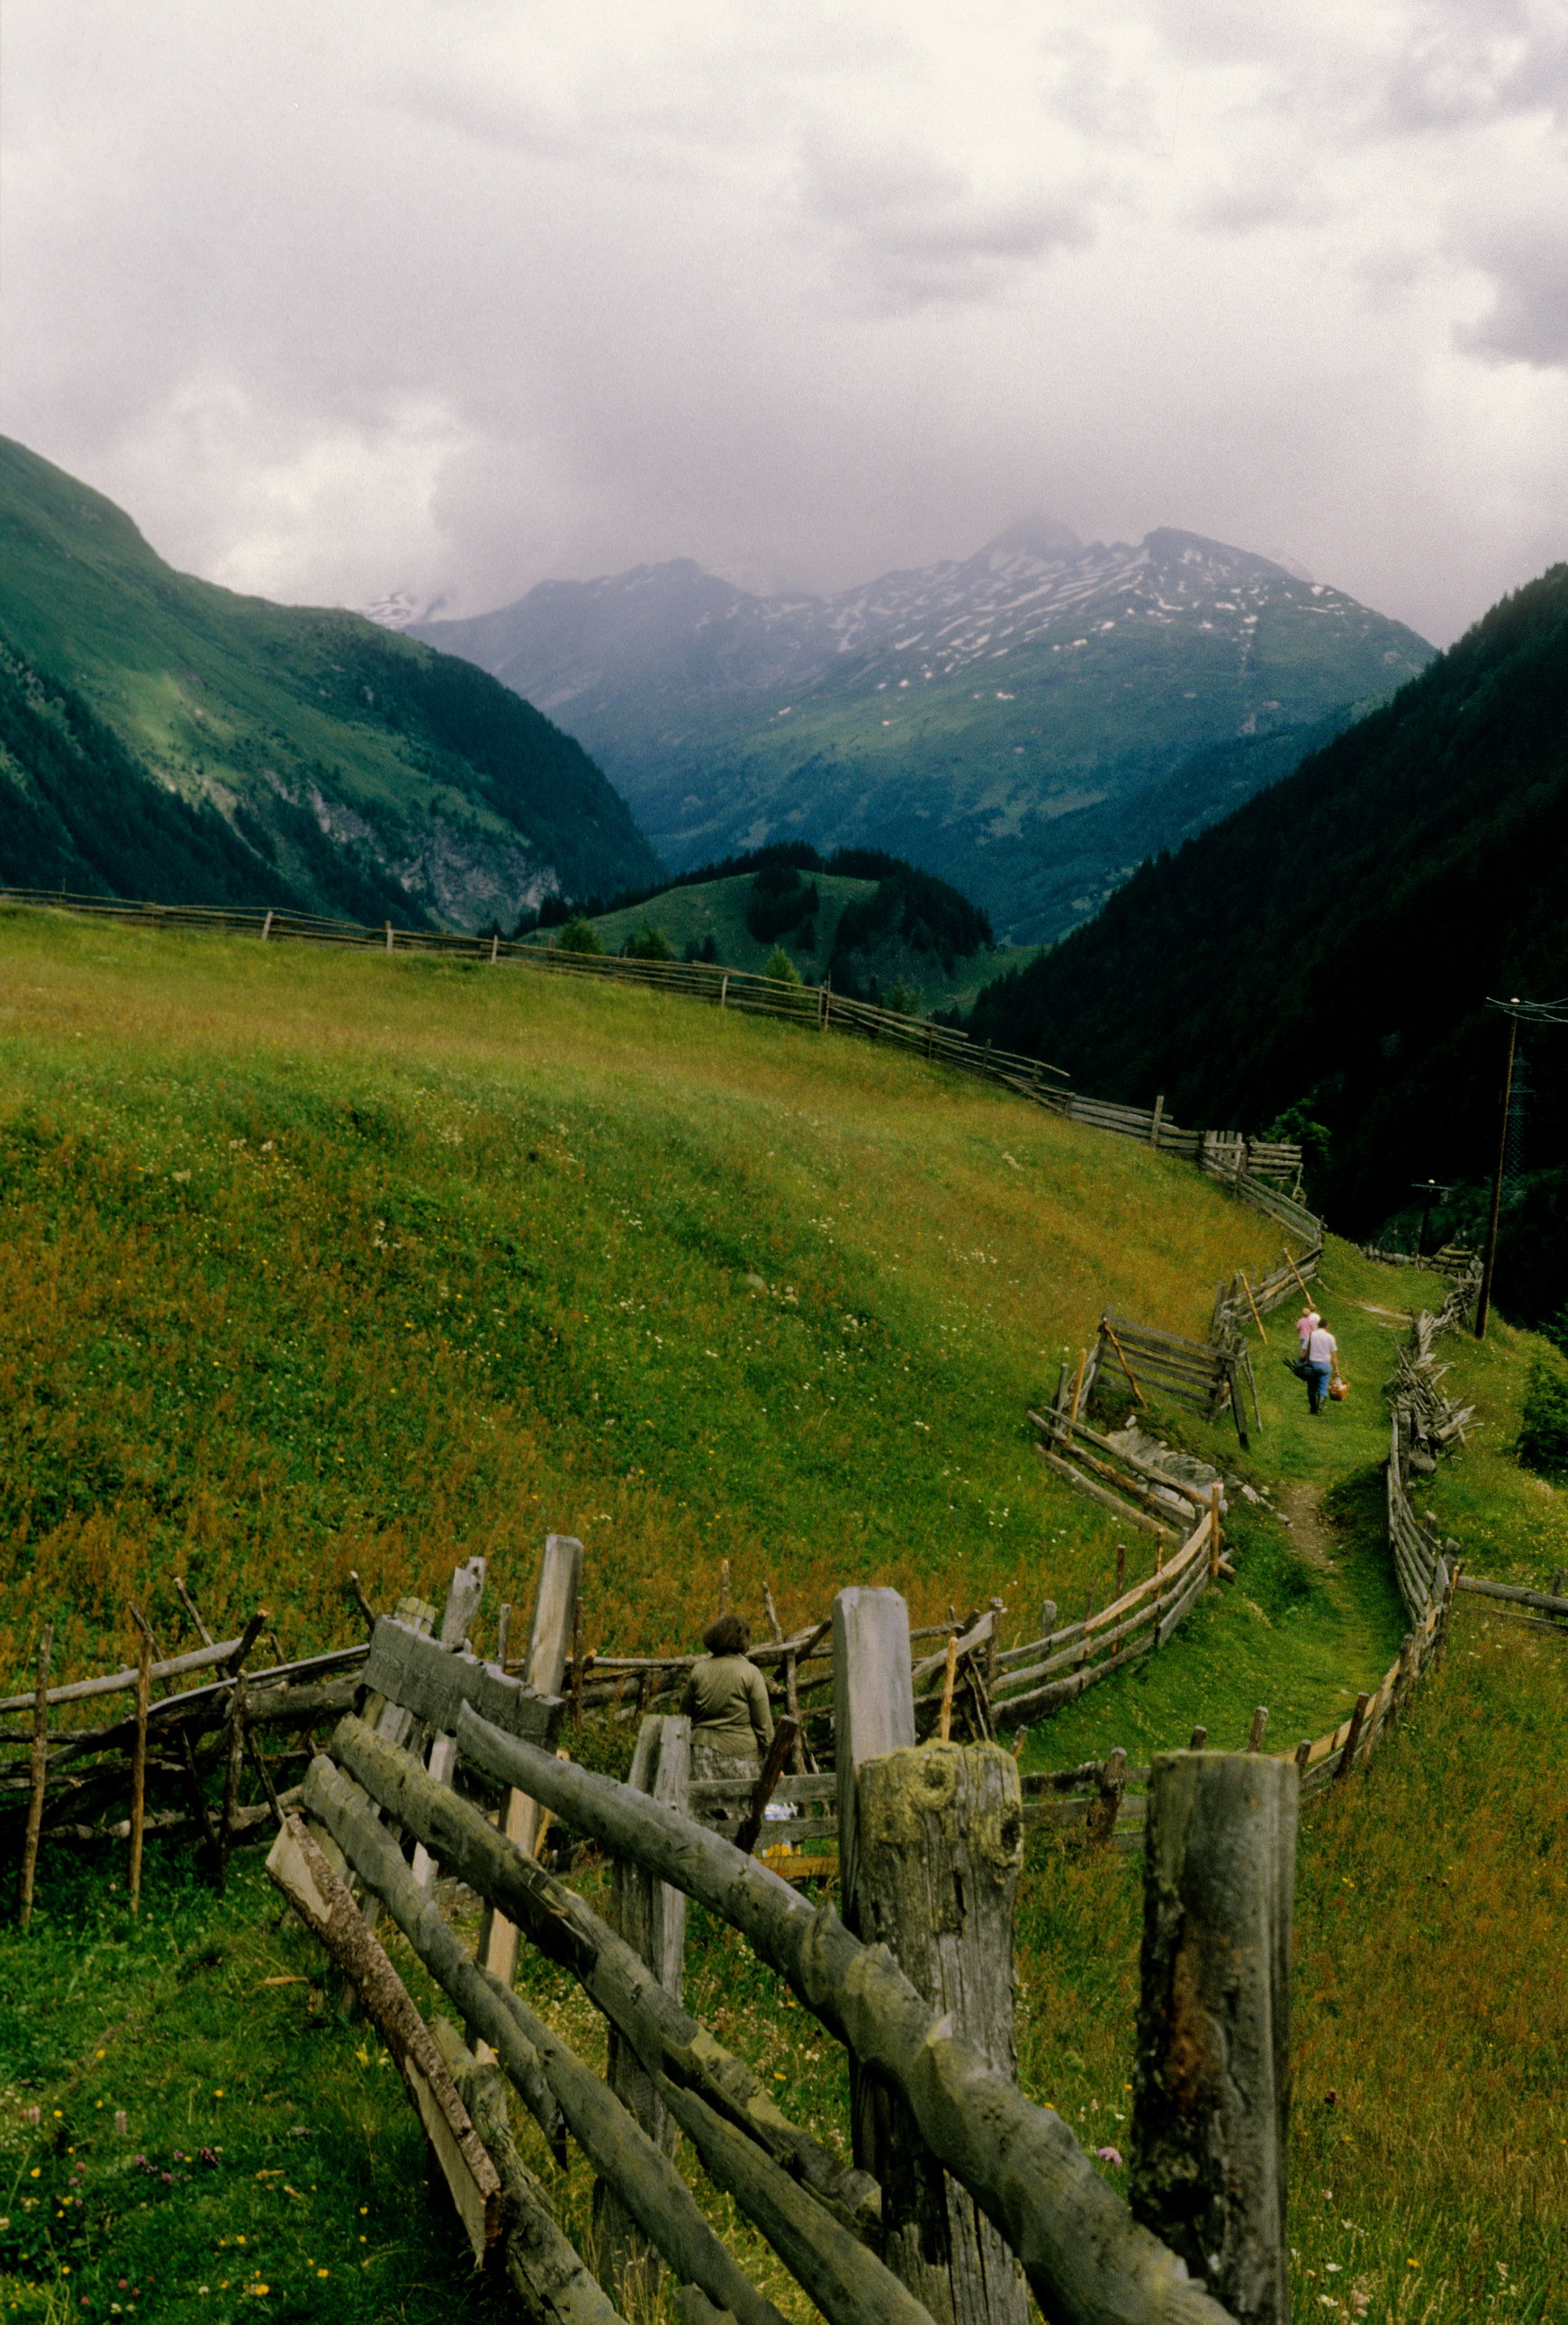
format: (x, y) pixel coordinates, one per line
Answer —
(1033, 2189)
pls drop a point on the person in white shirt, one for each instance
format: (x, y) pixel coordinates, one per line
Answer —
(1322, 1352)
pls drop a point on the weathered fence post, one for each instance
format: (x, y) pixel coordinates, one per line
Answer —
(930, 1846)
(651, 1917)
(37, 1769)
(464, 1593)
(1211, 2085)
(554, 1613)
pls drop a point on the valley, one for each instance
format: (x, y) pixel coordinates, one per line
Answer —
(1029, 723)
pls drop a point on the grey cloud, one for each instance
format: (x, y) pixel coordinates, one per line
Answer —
(1528, 322)
(910, 231)
(452, 295)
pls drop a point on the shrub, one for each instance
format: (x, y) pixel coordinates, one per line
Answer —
(579, 936)
(780, 967)
(1543, 1438)
(649, 943)
(780, 901)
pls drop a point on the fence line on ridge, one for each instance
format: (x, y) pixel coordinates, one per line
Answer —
(1256, 1170)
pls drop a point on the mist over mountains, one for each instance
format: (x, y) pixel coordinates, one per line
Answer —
(1030, 722)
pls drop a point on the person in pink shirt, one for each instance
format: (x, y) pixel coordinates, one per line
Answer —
(1306, 1323)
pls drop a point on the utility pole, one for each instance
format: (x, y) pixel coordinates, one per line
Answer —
(1532, 1013)
(1488, 1266)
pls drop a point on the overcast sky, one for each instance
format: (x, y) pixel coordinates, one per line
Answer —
(450, 295)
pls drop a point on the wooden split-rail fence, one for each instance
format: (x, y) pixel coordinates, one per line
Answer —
(176, 1763)
(1110, 1798)
(1259, 1170)
(959, 2195)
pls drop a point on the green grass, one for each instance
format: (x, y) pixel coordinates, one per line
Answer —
(321, 1260)
(314, 1261)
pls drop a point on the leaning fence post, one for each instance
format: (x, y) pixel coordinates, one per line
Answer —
(930, 1843)
(554, 1610)
(651, 1917)
(37, 1769)
(464, 1592)
(139, 1762)
(1211, 2082)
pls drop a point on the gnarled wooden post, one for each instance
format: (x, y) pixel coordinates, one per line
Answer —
(651, 1917)
(1212, 2078)
(930, 1843)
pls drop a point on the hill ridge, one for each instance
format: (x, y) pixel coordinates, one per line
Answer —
(327, 763)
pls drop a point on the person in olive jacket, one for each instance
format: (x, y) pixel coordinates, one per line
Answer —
(726, 1699)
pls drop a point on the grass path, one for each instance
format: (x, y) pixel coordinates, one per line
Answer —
(1315, 1615)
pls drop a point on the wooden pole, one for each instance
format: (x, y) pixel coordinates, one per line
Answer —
(651, 1917)
(1159, 1114)
(1120, 1569)
(37, 1769)
(1078, 1384)
(1488, 1264)
(544, 1667)
(192, 1610)
(1296, 1271)
(139, 1764)
(941, 1845)
(751, 1824)
(1200, 1737)
(724, 1585)
(1259, 1728)
(1127, 1368)
(464, 1593)
(944, 1717)
(1352, 1741)
(1211, 2083)
(1105, 1809)
(1252, 1305)
(1214, 1541)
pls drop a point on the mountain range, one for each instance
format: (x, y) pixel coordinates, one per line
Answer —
(1030, 722)
(164, 738)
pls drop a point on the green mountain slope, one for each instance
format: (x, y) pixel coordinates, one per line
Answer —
(1011, 721)
(871, 926)
(1333, 943)
(167, 738)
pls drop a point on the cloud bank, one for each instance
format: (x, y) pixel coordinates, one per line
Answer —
(450, 295)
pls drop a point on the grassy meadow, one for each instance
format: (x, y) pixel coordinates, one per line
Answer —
(314, 1262)
(321, 1261)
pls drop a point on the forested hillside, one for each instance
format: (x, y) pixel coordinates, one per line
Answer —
(163, 738)
(865, 922)
(1330, 947)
